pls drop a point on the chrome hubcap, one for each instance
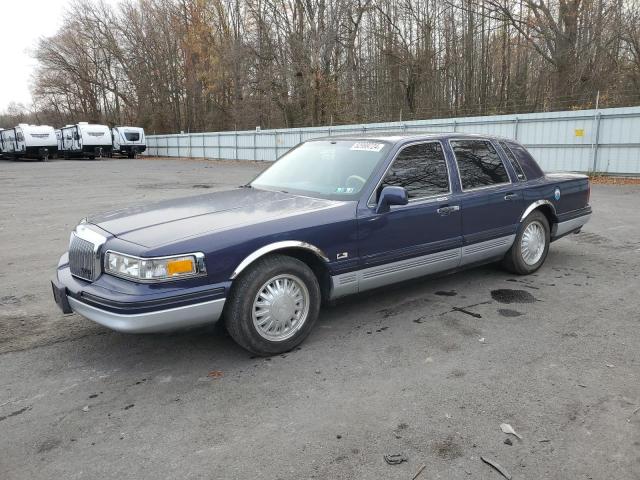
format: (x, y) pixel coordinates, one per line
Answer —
(280, 307)
(533, 243)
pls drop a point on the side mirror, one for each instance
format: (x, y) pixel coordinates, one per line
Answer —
(391, 196)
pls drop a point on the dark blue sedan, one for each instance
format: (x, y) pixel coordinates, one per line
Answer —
(332, 217)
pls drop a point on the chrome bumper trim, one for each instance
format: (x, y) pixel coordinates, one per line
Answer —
(571, 225)
(156, 321)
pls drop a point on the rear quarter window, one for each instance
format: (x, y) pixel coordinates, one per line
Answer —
(529, 166)
(514, 161)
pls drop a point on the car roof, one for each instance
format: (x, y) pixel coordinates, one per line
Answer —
(396, 137)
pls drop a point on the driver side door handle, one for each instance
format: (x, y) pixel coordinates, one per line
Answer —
(446, 210)
(511, 196)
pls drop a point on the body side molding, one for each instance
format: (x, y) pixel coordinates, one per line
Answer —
(272, 247)
(535, 205)
(392, 272)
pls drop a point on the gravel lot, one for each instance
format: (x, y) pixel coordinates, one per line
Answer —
(404, 371)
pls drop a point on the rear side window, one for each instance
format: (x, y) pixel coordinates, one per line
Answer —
(514, 162)
(421, 170)
(479, 164)
(529, 165)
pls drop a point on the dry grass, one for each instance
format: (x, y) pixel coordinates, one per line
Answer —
(609, 180)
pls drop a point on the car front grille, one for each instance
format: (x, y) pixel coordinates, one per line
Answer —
(82, 258)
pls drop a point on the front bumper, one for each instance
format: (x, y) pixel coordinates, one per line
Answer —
(154, 321)
(134, 313)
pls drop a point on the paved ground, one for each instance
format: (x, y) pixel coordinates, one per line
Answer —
(398, 372)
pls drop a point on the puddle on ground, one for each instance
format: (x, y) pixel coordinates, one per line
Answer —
(507, 295)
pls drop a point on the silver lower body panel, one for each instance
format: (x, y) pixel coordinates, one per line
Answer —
(481, 251)
(571, 225)
(394, 272)
(156, 321)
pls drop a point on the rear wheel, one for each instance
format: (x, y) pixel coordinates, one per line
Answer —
(530, 248)
(273, 305)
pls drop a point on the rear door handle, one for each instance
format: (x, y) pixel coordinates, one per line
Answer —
(444, 211)
(511, 196)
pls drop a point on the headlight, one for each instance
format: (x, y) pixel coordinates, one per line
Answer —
(157, 269)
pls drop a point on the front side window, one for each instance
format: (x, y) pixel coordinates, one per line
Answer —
(421, 170)
(479, 164)
(132, 136)
(332, 169)
(514, 162)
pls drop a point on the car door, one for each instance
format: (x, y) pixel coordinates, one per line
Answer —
(491, 203)
(416, 239)
(77, 139)
(20, 140)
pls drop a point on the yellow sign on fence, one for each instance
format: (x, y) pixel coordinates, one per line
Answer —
(579, 132)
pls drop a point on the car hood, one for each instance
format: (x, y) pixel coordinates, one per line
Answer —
(172, 220)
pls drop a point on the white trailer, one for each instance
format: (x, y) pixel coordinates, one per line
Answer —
(29, 141)
(85, 140)
(128, 141)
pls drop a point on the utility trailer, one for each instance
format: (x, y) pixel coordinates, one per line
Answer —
(84, 140)
(129, 141)
(29, 141)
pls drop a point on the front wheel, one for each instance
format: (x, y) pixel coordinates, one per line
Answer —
(530, 248)
(273, 305)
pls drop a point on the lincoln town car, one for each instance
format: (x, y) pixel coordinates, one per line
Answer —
(332, 217)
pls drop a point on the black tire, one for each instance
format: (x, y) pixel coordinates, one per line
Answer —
(514, 260)
(238, 315)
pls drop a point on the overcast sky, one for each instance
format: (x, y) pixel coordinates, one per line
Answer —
(23, 23)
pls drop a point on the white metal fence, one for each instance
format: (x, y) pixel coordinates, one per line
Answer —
(606, 140)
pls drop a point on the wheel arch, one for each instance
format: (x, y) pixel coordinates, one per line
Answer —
(307, 253)
(544, 206)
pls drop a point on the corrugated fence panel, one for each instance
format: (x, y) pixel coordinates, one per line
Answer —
(606, 140)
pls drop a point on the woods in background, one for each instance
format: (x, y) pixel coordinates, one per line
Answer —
(207, 65)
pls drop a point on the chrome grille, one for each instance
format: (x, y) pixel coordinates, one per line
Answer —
(82, 258)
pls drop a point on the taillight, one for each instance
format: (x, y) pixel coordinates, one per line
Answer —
(588, 191)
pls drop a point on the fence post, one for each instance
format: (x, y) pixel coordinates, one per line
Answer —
(515, 128)
(219, 151)
(190, 153)
(455, 125)
(204, 151)
(235, 147)
(275, 142)
(596, 141)
(255, 150)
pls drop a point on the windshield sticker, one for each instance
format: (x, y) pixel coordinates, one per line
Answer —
(367, 146)
(345, 190)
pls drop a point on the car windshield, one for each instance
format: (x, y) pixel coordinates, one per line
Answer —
(334, 169)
